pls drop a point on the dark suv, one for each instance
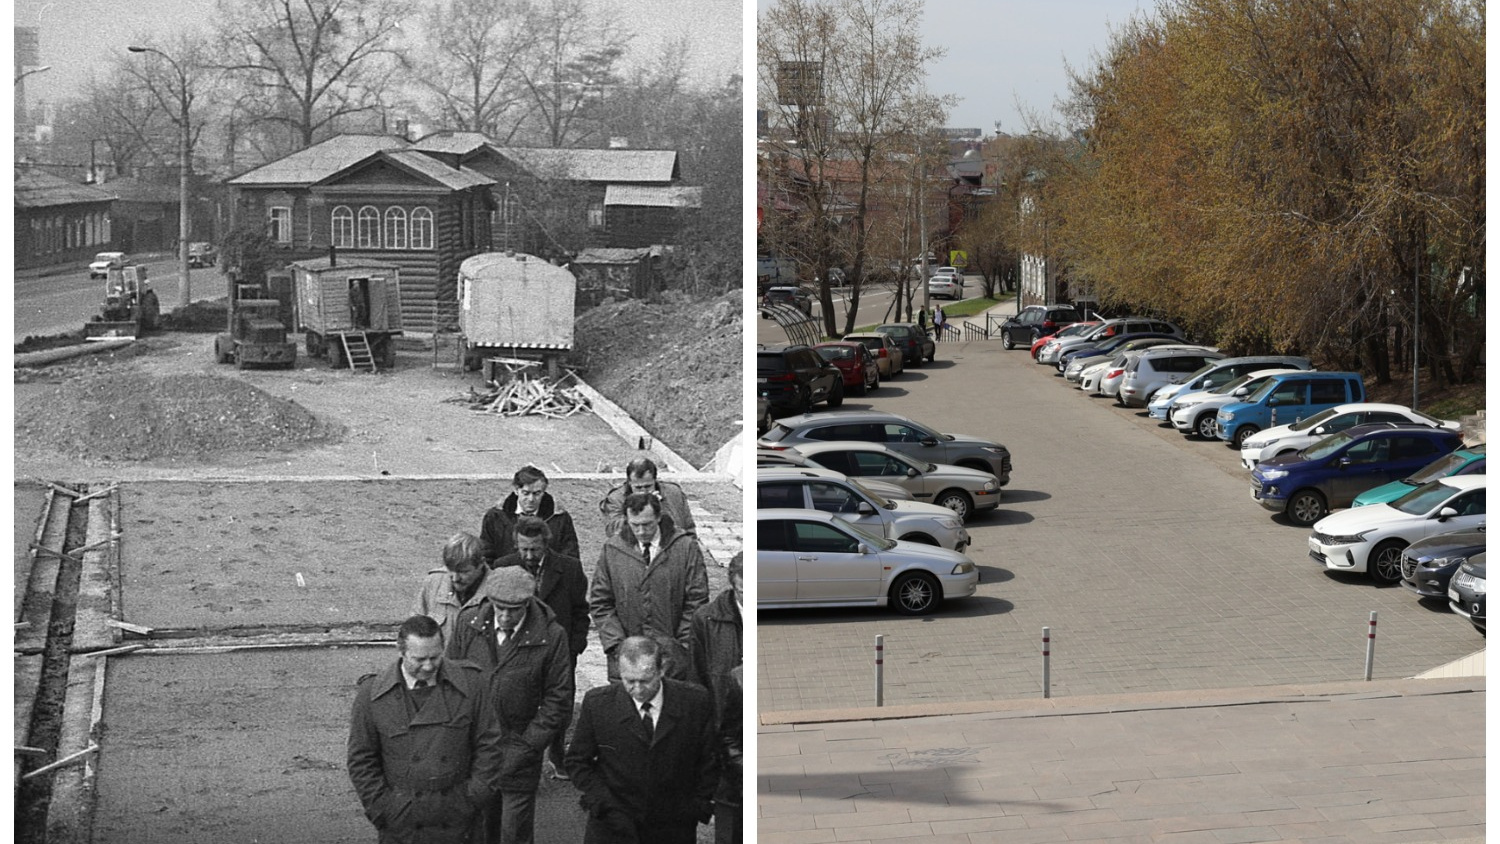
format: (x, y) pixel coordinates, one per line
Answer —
(794, 296)
(1035, 322)
(795, 378)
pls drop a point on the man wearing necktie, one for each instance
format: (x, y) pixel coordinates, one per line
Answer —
(649, 579)
(640, 476)
(423, 747)
(529, 685)
(644, 754)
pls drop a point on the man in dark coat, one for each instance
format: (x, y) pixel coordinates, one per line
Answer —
(644, 754)
(563, 587)
(422, 746)
(717, 647)
(640, 476)
(530, 690)
(529, 498)
(649, 580)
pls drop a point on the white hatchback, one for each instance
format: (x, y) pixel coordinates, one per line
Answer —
(1370, 539)
(1288, 439)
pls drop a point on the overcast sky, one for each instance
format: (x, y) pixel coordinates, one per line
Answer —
(77, 34)
(1002, 51)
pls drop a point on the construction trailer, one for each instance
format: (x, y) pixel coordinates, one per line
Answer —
(350, 310)
(514, 307)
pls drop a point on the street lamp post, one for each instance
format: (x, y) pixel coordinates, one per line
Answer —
(184, 160)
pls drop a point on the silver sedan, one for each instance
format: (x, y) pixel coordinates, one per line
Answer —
(964, 491)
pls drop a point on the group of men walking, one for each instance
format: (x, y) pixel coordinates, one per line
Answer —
(449, 743)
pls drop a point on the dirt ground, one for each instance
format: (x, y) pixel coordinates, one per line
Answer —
(308, 499)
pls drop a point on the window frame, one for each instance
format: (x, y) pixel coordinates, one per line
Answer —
(421, 228)
(279, 224)
(395, 214)
(341, 236)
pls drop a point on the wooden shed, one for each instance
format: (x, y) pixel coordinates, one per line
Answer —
(350, 309)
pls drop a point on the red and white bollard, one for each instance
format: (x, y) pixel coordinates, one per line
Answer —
(879, 670)
(1370, 648)
(1046, 662)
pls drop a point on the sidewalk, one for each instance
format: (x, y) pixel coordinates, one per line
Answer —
(1364, 763)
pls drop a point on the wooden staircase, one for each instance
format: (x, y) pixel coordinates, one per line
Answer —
(357, 351)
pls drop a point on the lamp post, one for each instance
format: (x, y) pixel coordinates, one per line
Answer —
(184, 159)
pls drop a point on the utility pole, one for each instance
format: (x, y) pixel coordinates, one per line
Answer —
(184, 161)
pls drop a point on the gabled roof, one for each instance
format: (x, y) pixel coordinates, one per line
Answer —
(653, 196)
(318, 161)
(40, 189)
(456, 143)
(596, 165)
(419, 164)
(611, 255)
(127, 189)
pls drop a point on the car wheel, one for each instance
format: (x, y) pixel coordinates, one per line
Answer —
(1306, 507)
(836, 397)
(956, 500)
(915, 593)
(1205, 425)
(1005, 340)
(1384, 564)
(1244, 432)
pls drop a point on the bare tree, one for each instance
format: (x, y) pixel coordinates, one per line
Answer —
(311, 62)
(570, 70)
(472, 67)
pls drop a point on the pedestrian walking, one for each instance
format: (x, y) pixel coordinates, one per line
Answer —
(640, 476)
(529, 497)
(939, 319)
(454, 585)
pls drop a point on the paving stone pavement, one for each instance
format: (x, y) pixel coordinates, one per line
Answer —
(1387, 762)
(1142, 551)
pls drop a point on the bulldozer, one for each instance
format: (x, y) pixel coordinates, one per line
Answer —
(257, 334)
(130, 305)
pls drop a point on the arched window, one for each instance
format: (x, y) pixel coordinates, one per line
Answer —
(341, 233)
(395, 228)
(369, 228)
(421, 228)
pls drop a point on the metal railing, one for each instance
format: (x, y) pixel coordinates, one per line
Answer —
(975, 332)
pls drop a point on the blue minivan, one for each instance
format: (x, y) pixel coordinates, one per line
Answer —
(1328, 474)
(1284, 399)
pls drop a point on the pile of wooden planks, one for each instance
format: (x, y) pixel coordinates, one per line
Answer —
(525, 396)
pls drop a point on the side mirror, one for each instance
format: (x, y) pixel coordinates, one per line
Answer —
(1242, 391)
(911, 472)
(865, 508)
(1272, 402)
(1344, 462)
(865, 549)
(1446, 513)
(1320, 430)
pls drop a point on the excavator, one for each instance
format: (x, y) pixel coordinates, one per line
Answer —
(130, 305)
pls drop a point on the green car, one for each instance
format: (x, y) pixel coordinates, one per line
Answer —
(1465, 461)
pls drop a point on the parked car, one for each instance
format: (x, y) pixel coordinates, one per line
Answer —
(1328, 474)
(964, 491)
(888, 354)
(861, 373)
(1197, 413)
(1159, 367)
(1371, 539)
(106, 261)
(794, 296)
(795, 377)
(947, 286)
(1464, 461)
(1072, 361)
(788, 457)
(806, 558)
(1077, 329)
(911, 438)
(1286, 439)
(1466, 591)
(1286, 398)
(1035, 322)
(1428, 565)
(1218, 372)
(832, 492)
(1090, 377)
(1050, 352)
(917, 345)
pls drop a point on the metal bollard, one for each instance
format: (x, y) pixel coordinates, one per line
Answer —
(879, 670)
(1046, 662)
(1370, 648)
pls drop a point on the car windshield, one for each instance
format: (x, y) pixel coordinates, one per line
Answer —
(769, 363)
(1075, 330)
(893, 330)
(1423, 499)
(865, 536)
(833, 353)
(1315, 420)
(1439, 468)
(1263, 390)
(1328, 445)
(883, 503)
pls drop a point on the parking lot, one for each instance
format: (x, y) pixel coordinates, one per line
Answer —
(1140, 550)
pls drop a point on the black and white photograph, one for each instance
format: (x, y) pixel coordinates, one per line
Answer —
(378, 412)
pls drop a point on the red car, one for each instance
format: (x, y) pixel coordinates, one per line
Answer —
(1067, 331)
(854, 360)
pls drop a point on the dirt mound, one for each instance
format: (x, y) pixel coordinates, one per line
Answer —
(131, 417)
(672, 365)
